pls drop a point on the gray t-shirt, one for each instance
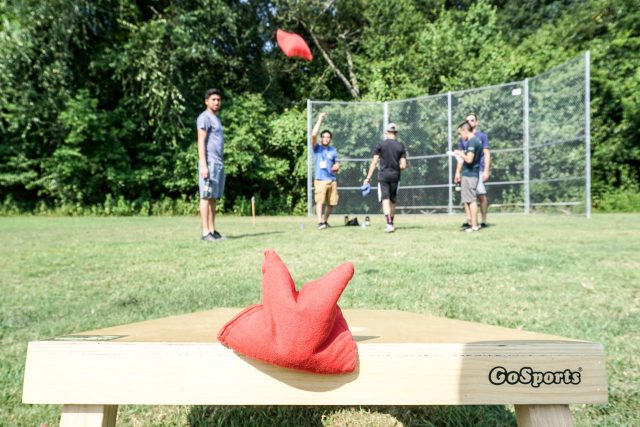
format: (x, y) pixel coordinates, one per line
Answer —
(214, 143)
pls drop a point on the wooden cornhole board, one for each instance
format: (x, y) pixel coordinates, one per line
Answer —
(404, 359)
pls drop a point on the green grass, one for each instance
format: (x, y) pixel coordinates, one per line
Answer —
(561, 275)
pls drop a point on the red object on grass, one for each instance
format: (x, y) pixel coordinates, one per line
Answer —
(296, 329)
(293, 45)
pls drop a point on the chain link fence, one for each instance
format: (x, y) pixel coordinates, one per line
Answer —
(539, 133)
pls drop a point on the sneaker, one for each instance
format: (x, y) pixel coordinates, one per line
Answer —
(483, 225)
(208, 237)
(389, 228)
(465, 226)
(322, 225)
(217, 235)
(472, 229)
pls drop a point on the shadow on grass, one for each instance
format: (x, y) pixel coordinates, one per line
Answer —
(242, 236)
(381, 416)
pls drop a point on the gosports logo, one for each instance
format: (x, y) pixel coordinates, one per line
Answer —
(526, 375)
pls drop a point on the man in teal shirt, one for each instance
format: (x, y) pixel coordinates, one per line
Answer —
(468, 172)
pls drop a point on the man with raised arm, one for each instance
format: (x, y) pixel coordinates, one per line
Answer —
(326, 166)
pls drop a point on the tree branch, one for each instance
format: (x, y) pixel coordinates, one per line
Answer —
(352, 75)
(355, 93)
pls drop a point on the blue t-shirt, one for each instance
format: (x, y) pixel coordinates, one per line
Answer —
(484, 139)
(325, 158)
(214, 142)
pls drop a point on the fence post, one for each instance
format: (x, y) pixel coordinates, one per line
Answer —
(527, 194)
(309, 195)
(385, 116)
(587, 131)
(449, 157)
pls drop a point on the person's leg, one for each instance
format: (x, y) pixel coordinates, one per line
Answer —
(393, 194)
(469, 198)
(467, 213)
(212, 214)
(327, 211)
(473, 209)
(484, 206)
(204, 216)
(386, 208)
(331, 200)
(319, 193)
(481, 191)
(319, 212)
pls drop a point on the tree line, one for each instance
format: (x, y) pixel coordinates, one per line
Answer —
(98, 99)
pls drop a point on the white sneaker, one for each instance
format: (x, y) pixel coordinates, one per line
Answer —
(389, 228)
(472, 229)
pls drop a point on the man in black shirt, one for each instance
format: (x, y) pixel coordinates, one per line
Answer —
(393, 158)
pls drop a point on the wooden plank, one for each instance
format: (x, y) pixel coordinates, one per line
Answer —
(371, 326)
(404, 359)
(88, 416)
(543, 416)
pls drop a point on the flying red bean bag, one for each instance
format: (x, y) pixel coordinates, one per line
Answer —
(296, 329)
(293, 45)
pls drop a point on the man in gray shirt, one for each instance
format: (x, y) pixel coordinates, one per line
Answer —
(210, 162)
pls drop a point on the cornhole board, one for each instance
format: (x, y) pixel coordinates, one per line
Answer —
(404, 359)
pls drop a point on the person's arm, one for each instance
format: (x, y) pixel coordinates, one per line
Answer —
(335, 167)
(457, 177)
(202, 157)
(372, 168)
(403, 163)
(487, 161)
(316, 129)
(468, 156)
(473, 147)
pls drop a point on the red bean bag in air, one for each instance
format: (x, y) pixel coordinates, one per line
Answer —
(296, 329)
(293, 45)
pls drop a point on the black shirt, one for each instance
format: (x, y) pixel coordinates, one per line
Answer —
(390, 152)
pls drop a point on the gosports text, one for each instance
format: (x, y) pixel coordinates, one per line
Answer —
(526, 375)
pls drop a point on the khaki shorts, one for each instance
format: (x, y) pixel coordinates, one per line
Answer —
(326, 192)
(468, 189)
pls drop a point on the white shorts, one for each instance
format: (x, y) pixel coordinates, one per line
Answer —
(481, 190)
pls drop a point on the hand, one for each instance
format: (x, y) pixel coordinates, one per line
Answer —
(335, 168)
(204, 171)
(457, 179)
(366, 181)
(485, 176)
(322, 116)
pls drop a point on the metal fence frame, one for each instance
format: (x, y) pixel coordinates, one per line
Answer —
(526, 143)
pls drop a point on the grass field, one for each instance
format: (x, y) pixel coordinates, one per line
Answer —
(561, 275)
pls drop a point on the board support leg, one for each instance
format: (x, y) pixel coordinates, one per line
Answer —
(544, 416)
(88, 415)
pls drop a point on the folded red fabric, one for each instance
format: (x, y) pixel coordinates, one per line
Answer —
(296, 329)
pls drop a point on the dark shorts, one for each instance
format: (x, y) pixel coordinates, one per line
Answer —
(387, 190)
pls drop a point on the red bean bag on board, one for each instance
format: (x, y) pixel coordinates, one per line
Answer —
(296, 329)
